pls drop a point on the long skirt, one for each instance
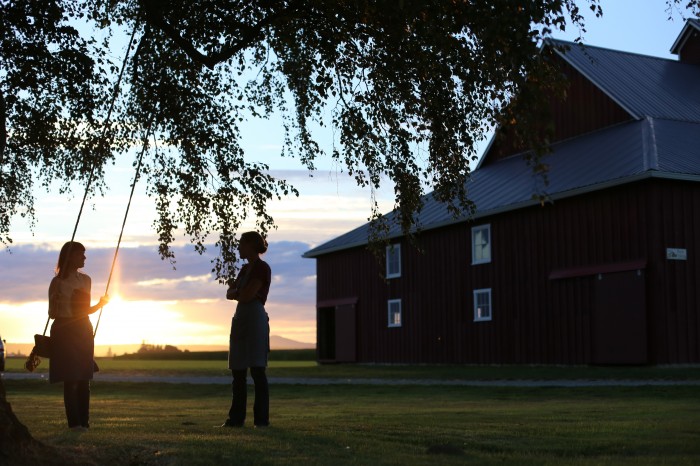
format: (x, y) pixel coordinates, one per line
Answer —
(249, 343)
(72, 350)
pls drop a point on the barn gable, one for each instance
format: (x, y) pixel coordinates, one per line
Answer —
(608, 87)
(687, 46)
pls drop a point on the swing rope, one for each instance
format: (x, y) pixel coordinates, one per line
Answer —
(33, 360)
(126, 214)
(103, 138)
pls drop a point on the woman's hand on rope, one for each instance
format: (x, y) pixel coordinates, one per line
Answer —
(103, 301)
(81, 303)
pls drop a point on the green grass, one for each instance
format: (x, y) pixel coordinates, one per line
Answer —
(134, 423)
(285, 368)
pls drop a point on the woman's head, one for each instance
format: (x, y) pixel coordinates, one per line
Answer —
(72, 255)
(255, 240)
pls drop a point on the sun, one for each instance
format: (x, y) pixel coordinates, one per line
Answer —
(132, 322)
(125, 321)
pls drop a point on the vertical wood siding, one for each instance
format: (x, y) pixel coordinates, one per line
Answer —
(535, 319)
(585, 108)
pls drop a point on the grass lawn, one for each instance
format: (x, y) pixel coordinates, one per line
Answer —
(168, 424)
(454, 372)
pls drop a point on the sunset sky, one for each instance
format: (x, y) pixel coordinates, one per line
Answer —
(155, 303)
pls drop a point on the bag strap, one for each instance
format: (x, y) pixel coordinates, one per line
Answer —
(47, 325)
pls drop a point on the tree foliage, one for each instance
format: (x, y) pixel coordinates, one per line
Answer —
(410, 87)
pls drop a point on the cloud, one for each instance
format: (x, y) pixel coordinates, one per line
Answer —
(26, 272)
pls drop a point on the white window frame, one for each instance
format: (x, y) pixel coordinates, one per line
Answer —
(476, 230)
(391, 323)
(391, 251)
(477, 314)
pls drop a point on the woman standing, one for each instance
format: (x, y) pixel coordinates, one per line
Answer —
(72, 341)
(249, 343)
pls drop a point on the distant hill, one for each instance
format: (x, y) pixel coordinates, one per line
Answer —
(276, 343)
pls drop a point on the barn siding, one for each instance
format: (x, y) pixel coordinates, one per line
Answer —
(584, 109)
(535, 319)
(676, 212)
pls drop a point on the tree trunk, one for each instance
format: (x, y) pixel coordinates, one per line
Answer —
(17, 446)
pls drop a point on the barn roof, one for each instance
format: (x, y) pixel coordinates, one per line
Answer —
(663, 140)
(642, 85)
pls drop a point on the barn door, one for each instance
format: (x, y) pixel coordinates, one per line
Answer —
(335, 333)
(619, 320)
(345, 338)
(325, 334)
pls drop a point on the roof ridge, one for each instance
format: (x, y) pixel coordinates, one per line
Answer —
(650, 153)
(608, 49)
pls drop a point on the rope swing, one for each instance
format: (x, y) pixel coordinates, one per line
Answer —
(126, 214)
(42, 343)
(103, 139)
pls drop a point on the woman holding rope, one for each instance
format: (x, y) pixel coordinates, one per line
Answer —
(72, 338)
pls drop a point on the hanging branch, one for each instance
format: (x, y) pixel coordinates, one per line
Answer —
(249, 35)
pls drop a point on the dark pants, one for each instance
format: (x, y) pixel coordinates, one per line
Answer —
(76, 398)
(261, 407)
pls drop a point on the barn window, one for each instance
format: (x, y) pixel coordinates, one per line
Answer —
(482, 305)
(393, 261)
(481, 244)
(394, 308)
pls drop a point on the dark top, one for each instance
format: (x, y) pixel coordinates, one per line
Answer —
(260, 270)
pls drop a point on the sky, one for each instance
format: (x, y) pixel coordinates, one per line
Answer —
(159, 303)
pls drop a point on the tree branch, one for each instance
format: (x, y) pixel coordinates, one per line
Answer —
(3, 128)
(252, 34)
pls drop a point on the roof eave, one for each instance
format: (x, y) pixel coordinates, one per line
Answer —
(529, 203)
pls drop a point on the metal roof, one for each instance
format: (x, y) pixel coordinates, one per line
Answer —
(664, 141)
(617, 155)
(642, 85)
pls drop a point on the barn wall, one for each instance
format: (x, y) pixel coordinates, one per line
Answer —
(535, 319)
(675, 285)
(585, 109)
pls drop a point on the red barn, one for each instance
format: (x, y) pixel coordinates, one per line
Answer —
(607, 273)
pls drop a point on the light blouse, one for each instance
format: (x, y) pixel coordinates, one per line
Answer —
(61, 294)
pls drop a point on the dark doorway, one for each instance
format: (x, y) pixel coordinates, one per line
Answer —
(325, 333)
(619, 320)
(336, 333)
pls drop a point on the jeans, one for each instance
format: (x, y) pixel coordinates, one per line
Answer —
(76, 398)
(261, 407)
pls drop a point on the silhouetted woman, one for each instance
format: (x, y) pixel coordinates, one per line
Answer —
(249, 343)
(72, 341)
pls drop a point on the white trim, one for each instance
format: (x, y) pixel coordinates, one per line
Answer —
(390, 322)
(475, 230)
(391, 250)
(477, 312)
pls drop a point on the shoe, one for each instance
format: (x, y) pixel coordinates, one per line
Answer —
(78, 429)
(262, 426)
(228, 423)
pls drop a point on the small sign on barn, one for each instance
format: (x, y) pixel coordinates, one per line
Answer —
(676, 254)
